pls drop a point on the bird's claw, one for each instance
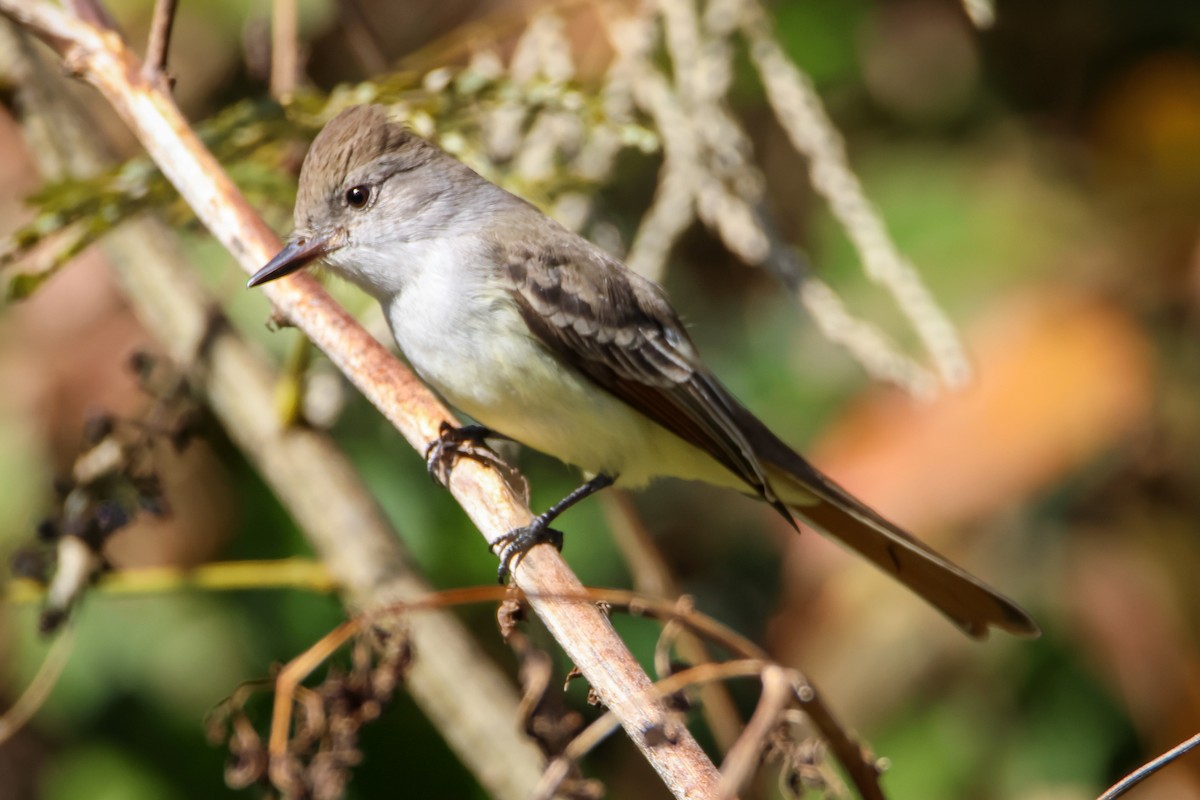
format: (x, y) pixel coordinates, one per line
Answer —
(453, 443)
(513, 545)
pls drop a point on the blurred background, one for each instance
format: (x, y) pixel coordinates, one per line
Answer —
(1044, 178)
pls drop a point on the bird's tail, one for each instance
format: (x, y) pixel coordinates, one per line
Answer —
(968, 602)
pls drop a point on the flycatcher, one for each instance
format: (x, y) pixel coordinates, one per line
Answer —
(546, 339)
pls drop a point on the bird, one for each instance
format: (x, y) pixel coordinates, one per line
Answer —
(544, 338)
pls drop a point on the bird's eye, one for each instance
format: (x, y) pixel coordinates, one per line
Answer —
(357, 196)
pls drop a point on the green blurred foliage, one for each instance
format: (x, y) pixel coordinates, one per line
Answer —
(821, 37)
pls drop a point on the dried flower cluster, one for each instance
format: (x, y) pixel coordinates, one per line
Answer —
(111, 482)
(322, 745)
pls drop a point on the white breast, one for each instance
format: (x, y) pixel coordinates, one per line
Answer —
(469, 342)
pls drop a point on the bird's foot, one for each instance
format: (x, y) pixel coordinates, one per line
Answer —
(513, 545)
(467, 441)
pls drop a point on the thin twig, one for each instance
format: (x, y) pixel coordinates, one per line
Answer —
(225, 576)
(583, 631)
(1146, 770)
(604, 725)
(294, 672)
(864, 775)
(845, 748)
(652, 576)
(744, 757)
(752, 661)
(38, 690)
(155, 66)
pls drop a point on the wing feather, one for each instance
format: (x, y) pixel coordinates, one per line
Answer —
(619, 330)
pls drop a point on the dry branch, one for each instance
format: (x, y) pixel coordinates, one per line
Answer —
(1121, 787)
(466, 697)
(743, 758)
(651, 576)
(101, 58)
(160, 39)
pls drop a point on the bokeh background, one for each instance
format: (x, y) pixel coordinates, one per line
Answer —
(1043, 175)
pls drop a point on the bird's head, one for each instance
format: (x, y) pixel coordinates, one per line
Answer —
(367, 187)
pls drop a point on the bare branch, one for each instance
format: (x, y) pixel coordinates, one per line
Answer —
(862, 771)
(583, 631)
(155, 67)
(215, 576)
(744, 756)
(862, 768)
(293, 674)
(652, 576)
(20, 712)
(1146, 770)
(466, 697)
(600, 729)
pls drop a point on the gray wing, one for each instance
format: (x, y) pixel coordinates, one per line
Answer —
(619, 330)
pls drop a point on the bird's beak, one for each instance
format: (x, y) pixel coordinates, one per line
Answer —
(297, 253)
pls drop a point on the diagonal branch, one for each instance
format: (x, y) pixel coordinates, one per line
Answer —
(102, 59)
(1149, 768)
(466, 697)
